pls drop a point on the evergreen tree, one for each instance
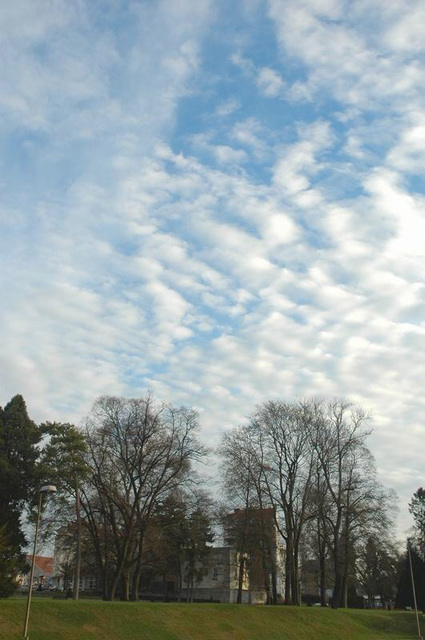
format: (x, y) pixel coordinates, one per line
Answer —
(199, 537)
(11, 561)
(417, 509)
(171, 517)
(63, 462)
(19, 436)
(404, 596)
(378, 567)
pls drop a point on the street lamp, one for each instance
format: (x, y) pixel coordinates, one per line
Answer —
(48, 488)
(409, 551)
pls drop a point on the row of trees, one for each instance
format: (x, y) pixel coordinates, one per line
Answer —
(308, 460)
(127, 490)
(129, 466)
(129, 469)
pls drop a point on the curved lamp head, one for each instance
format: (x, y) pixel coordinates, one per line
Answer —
(48, 488)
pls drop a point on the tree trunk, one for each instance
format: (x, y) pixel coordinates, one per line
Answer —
(337, 591)
(346, 561)
(116, 579)
(188, 589)
(138, 571)
(78, 549)
(338, 565)
(288, 572)
(344, 594)
(274, 582)
(322, 565)
(296, 590)
(125, 587)
(267, 587)
(322, 581)
(179, 599)
(266, 575)
(105, 567)
(240, 578)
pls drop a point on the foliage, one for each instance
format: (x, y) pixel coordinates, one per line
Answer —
(417, 509)
(417, 552)
(63, 461)
(198, 538)
(63, 457)
(404, 596)
(378, 568)
(19, 436)
(178, 539)
(10, 562)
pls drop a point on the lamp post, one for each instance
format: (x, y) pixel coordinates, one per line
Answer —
(409, 550)
(48, 488)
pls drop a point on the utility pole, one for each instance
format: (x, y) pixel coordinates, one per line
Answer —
(414, 589)
(46, 489)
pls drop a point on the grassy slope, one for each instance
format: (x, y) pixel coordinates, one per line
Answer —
(96, 620)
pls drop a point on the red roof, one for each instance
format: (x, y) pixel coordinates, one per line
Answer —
(44, 564)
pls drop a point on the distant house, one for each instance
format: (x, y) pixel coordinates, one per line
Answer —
(43, 571)
(253, 533)
(64, 561)
(218, 577)
(251, 561)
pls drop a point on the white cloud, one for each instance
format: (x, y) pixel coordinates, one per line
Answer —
(362, 57)
(249, 134)
(246, 65)
(408, 153)
(270, 82)
(281, 256)
(227, 108)
(405, 210)
(223, 153)
(299, 161)
(69, 89)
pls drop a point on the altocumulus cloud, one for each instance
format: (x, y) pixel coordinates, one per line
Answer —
(221, 205)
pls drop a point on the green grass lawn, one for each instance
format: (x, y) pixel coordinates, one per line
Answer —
(97, 620)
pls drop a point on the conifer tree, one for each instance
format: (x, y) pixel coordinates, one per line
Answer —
(19, 437)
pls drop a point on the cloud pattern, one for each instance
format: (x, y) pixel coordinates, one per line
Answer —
(223, 206)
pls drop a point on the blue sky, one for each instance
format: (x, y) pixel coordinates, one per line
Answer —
(220, 202)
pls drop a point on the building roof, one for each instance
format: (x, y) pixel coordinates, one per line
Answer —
(43, 565)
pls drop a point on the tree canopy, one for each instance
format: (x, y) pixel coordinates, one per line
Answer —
(19, 437)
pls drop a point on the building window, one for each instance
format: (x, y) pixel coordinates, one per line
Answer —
(89, 583)
(218, 570)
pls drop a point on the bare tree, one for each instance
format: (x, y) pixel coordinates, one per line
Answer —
(347, 469)
(309, 461)
(251, 527)
(317, 543)
(283, 431)
(138, 451)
